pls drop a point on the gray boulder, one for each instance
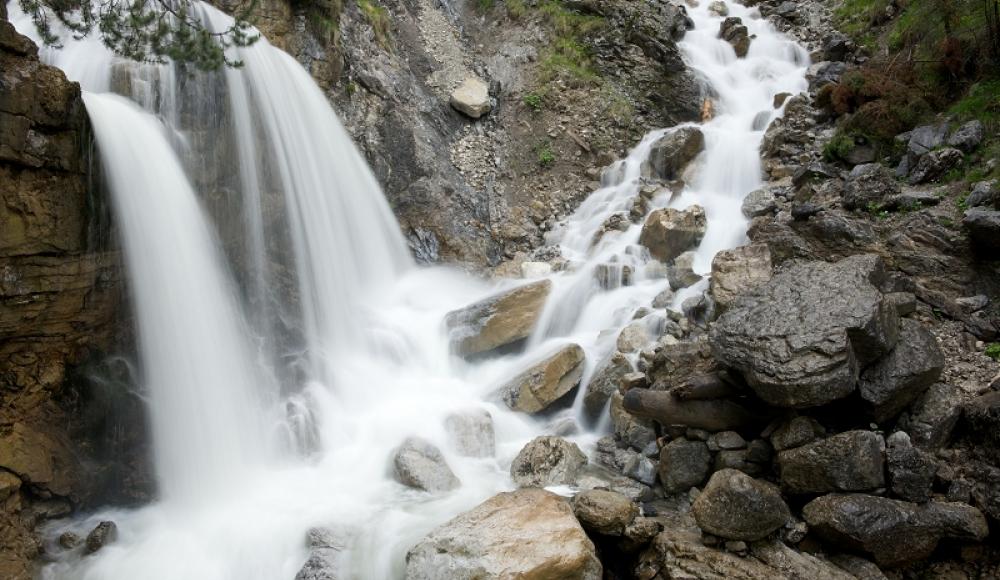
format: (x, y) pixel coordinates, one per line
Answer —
(801, 338)
(604, 512)
(737, 271)
(984, 194)
(869, 184)
(605, 383)
(681, 273)
(326, 556)
(736, 34)
(670, 232)
(738, 507)
(935, 164)
(419, 464)
(893, 383)
(968, 136)
(471, 433)
(893, 532)
(672, 152)
(528, 533)
(759, 202)
(850, 461)
(545, 382)
(547, 460)
(500, 320)
(796, 432)
(472, 98)
(684, 464)
(926, 138)
(983, 226)
(103, 534)
(911, 471)
(933, 417)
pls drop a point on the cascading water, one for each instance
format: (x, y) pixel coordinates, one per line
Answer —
(366, 325)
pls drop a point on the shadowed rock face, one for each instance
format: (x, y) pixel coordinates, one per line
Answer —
(529, 534)
(801, 339)
(59, 290)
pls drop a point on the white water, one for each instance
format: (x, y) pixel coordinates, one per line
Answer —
(373, 365)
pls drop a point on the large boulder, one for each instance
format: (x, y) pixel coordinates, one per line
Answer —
(801, 338)
(984, 228)
(497, 321)
(738, 507)
(869, 185)
(529, 534)
(893, 532)
(893, 383)
(737, 271)
(472, 98)
(850, 461)
(684, 464)
(417, 463)
(103, 534)
(984, 194)
(935, 164)
(733, 31)
(670, 232)
(604, 512)
(933, 417)
(547, 460)
(968, 136)
(545, 382)
(672, 152)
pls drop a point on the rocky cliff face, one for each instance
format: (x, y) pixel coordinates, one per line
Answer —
(482, 190)
(59, 292)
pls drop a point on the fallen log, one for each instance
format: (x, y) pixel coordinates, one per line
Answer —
(704, 387)
(711, 415)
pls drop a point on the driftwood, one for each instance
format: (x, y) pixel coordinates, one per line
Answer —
(704, 387)
(711, 415)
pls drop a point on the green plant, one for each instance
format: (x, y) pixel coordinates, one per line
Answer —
(378, 17)
(993, 350)
(533, 101)
(877, 211)
(837, 148)
(961, 202)
(546, 156)
(484, 5)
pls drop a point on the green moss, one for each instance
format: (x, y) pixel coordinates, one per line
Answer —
(378, 17)
(484, 5)
(546, 156)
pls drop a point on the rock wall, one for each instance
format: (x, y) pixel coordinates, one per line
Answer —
(59, 293)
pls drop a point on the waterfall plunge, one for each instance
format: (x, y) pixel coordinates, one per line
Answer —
(375, 366)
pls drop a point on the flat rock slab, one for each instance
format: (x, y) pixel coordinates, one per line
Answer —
(849, 461)
(529, 534)
(500, 320)
(545, 382)
(801, 338)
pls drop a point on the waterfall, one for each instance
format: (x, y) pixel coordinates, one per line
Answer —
(288, 344)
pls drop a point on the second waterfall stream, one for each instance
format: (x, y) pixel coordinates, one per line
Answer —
(270, 416)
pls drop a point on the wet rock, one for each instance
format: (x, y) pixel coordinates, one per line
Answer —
(471, 98)
(934, 416)
(737, 271)
(103, 534)
(983, 226)
(633, 337)
(604, 383)
(547, 460)
(545, 382)
(736, 34)
(669, 232)
(837, 46)
(326, 556)
(893, 532)
(419, 464)
(822, 74)
(893, 383)
(69, 540)
(611, 276)
(850, 461)
(37, 459)
(497, 321)
(726, 440)
(637, 466)
(530, 270)
(796, 432)
(759, 202)
(984, 194)
(672, 152)
(681, 273)
(684, 464)
(925, 139)
(735, 506)
(869, 185)
(968, 136)
(719, 8)
(801, 338)
(604, 512)
(982, 415)
(935, 164)
(471, 433)
(911, 471)
(529, 534)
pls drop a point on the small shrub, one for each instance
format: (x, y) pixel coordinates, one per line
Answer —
(993, 350)
(378, 18)
(546, 156)
(533, 101)
(837, 148)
